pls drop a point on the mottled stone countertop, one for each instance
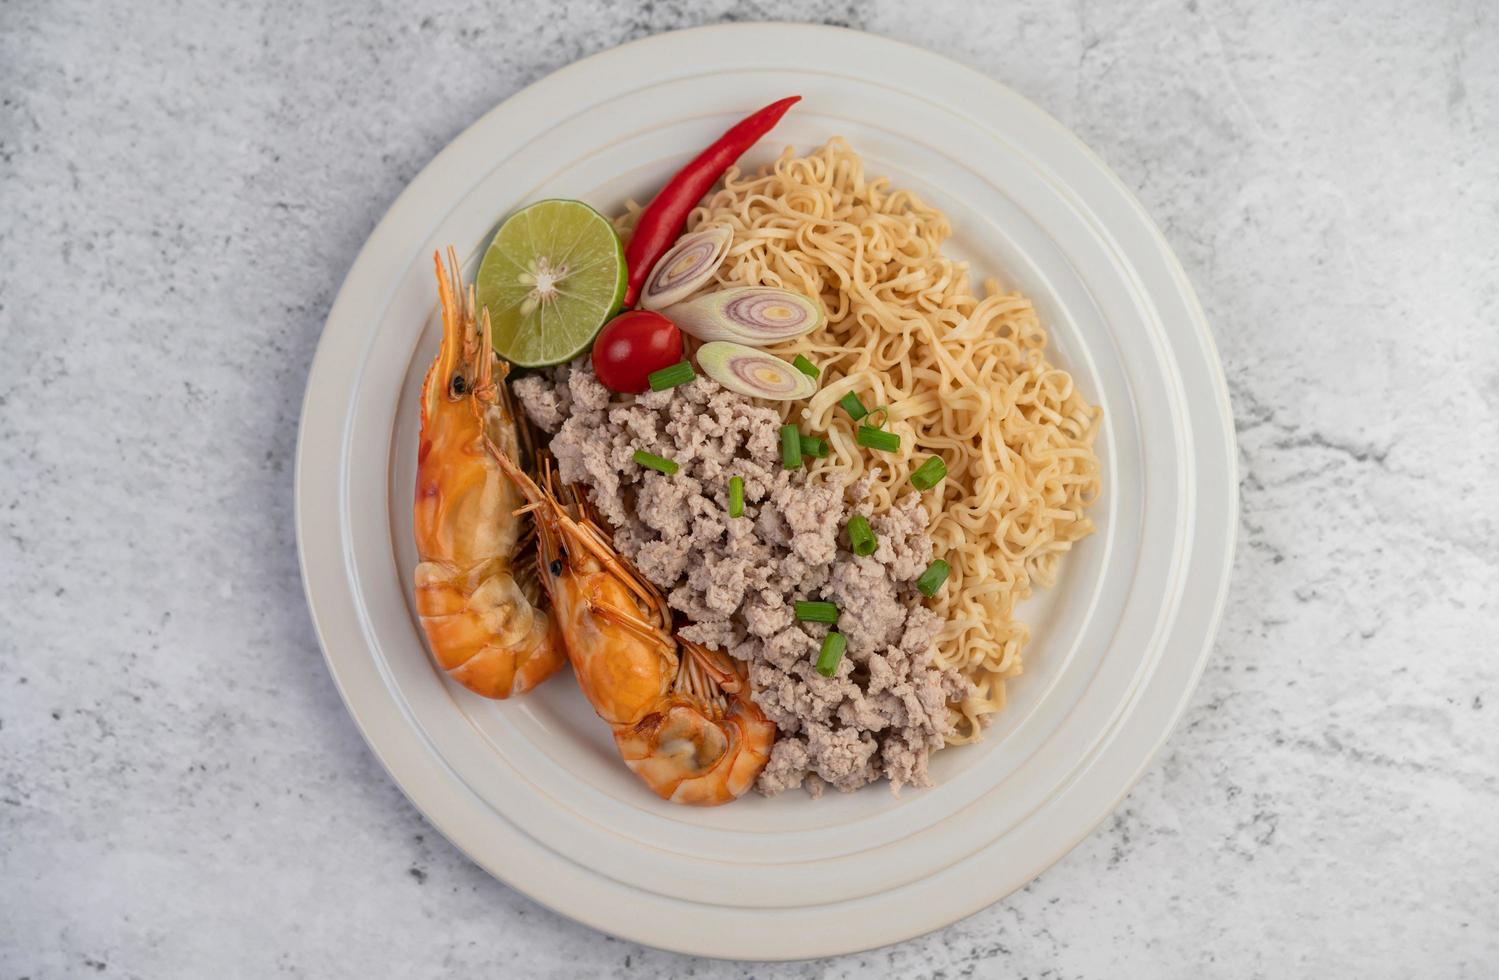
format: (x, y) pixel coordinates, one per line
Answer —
(183, 186)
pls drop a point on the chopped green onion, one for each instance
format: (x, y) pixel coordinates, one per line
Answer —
(931, 580)
(853, 406)
(929, 474)
(657, 463)
(814, 447)
(669, 377)
(833, 646)
(804, 366)
(883, 411)
(736, 496)
(791, 447)
(886, 442)
(816, 612)
(860, 537)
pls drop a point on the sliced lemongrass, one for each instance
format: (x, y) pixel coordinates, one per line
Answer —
(686, 267)
(753, 372)
(753, 315)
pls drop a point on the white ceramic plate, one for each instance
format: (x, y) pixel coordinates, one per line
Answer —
(532, 789)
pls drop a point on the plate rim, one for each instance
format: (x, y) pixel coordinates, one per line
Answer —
(1199, 331)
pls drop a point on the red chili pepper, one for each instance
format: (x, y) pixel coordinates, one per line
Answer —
(662, 221)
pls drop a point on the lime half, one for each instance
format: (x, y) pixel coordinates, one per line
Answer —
(553, 275)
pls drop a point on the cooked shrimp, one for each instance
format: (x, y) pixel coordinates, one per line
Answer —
(704, 743)
(685, 726)
(476, 594)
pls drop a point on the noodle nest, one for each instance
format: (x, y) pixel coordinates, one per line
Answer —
(963, 376)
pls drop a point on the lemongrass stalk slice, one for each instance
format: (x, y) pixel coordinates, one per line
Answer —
(754, 315)
(686, 267)
(753, 372)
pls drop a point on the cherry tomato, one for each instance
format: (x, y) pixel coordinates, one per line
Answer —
(631, 346)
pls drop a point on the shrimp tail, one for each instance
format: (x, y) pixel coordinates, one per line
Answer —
(699, 747)
(689, 753)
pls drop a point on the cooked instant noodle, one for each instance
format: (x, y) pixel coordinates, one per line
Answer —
(960, 375)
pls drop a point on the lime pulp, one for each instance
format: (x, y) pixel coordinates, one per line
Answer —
(554, 274)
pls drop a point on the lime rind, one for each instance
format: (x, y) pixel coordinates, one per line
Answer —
(547, 237)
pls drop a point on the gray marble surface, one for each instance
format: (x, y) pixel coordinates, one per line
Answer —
(183, 186)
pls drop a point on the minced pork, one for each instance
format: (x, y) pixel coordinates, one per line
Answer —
(735, 579)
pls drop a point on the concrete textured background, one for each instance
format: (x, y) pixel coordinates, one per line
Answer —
(183, 186)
